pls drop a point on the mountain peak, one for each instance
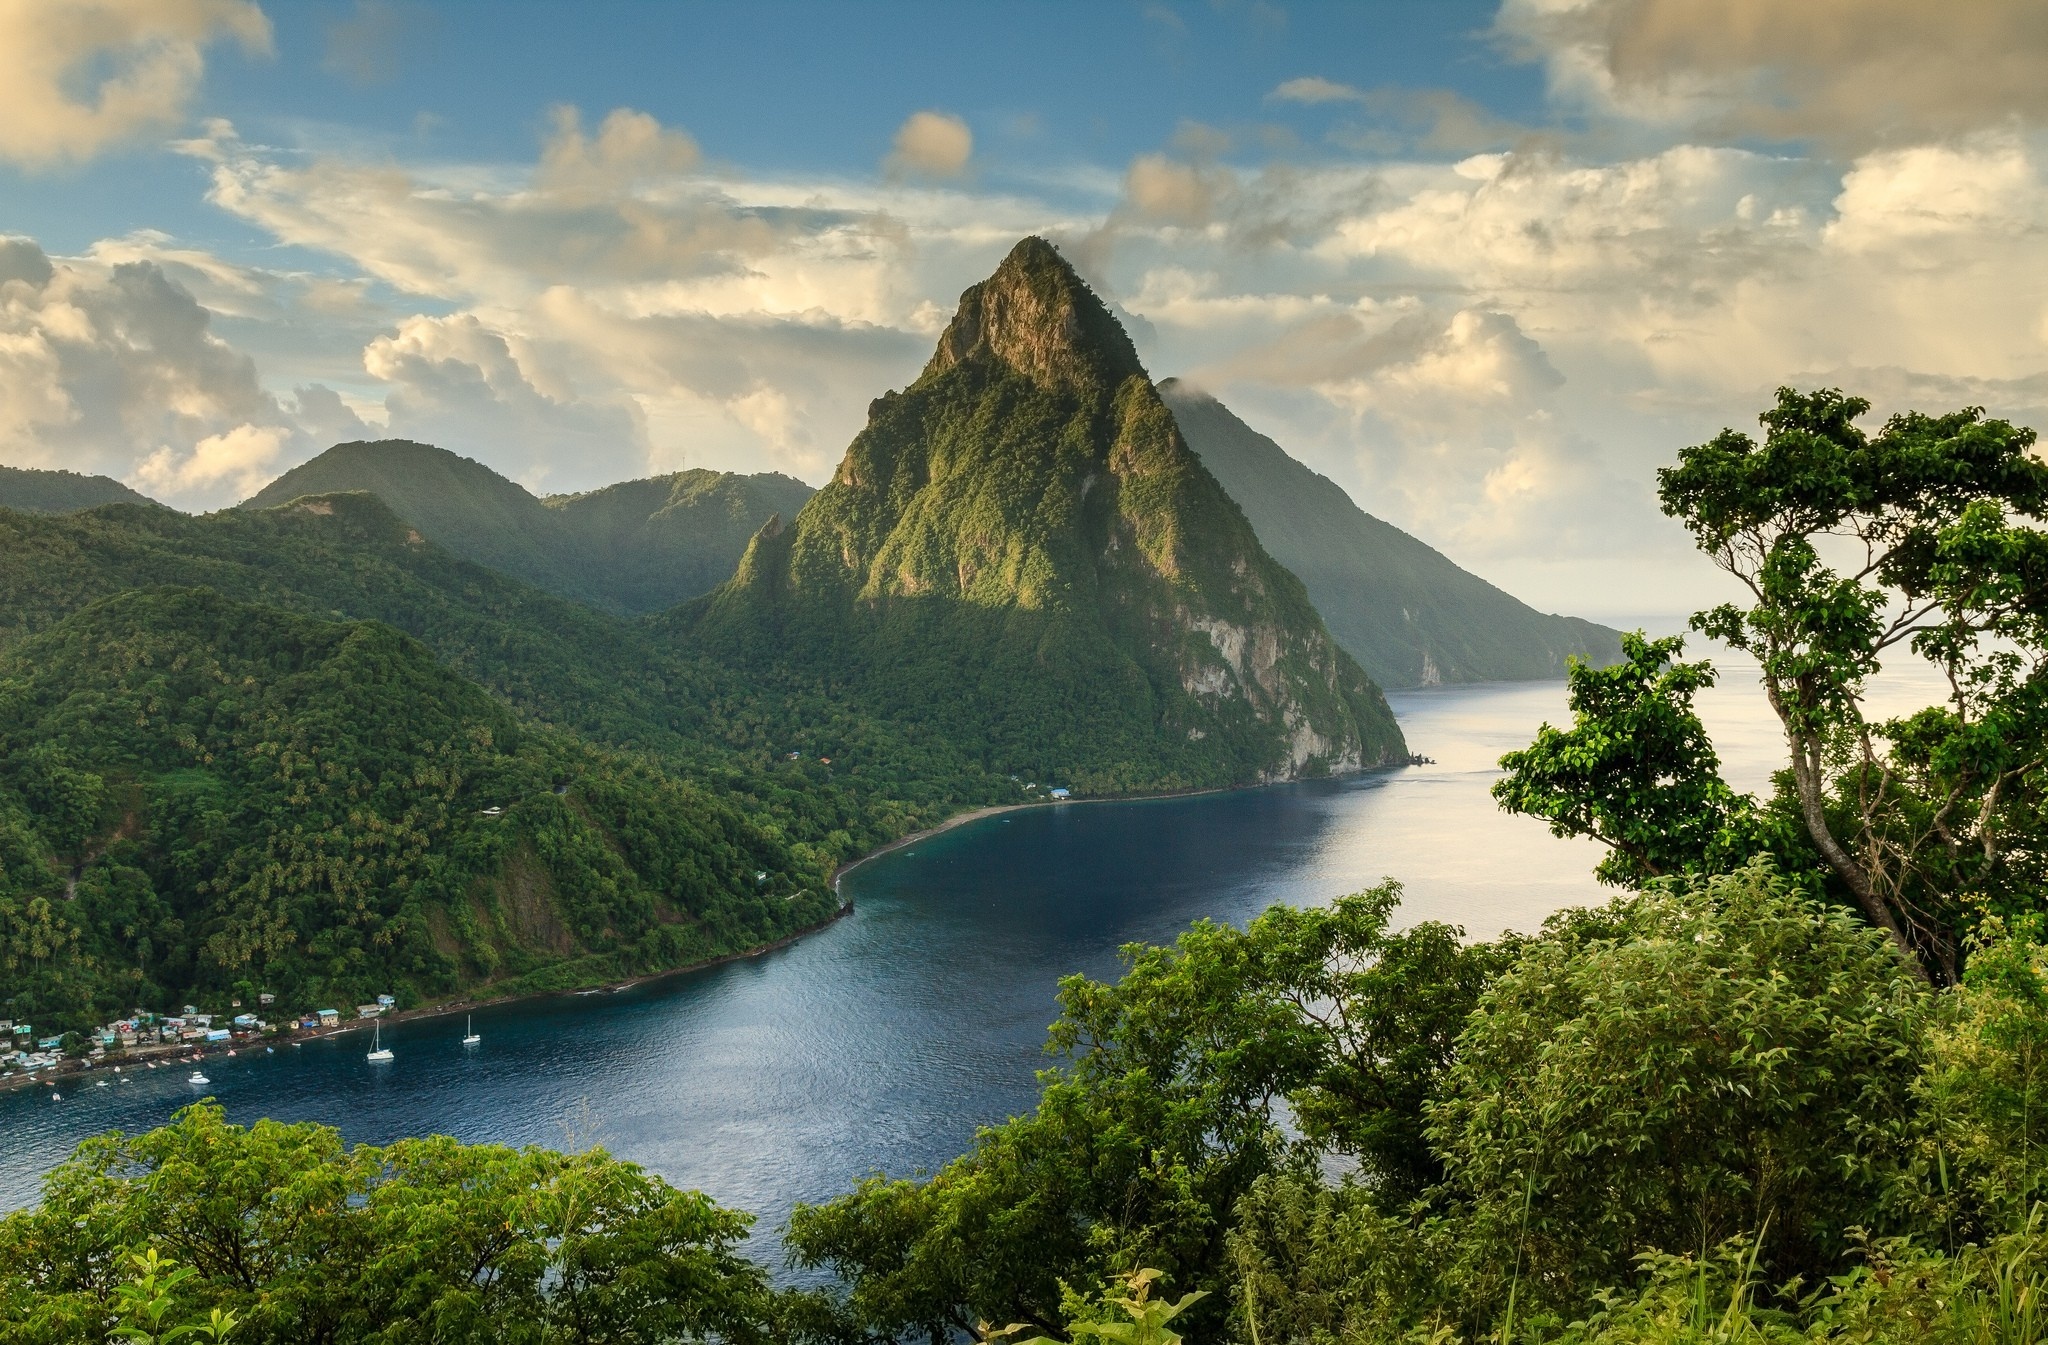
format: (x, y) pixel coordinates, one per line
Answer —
(1037, 316)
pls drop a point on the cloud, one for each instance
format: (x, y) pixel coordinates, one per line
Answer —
(616, 307)
(455, 381)
(80, 76)
(1857, 73)
(115, 368)
(936, 144)
(242, 459)
(1160, 189)
(366, 47)
(1316, 89)
(630, 147)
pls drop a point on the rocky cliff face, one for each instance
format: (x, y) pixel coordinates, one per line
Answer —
(1021, 548)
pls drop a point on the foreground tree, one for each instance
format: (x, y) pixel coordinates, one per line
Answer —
(1851, 547)
(292, 1236)
(1164, 1113)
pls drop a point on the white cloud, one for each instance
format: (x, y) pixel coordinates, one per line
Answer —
(114, 367)
(618, 308)
(1857, 73)
(241, 459)
(937, 144)
(81, 75)
(1316, 89)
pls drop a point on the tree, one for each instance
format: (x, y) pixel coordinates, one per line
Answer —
(282, 1233)
(1740, 1056)
(1850, 545)
(1636, 771)
(1164, 1114)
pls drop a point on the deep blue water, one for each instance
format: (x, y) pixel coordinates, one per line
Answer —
(880, 1043)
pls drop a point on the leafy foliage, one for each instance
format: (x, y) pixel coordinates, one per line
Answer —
(1636, 771)
(280, 1233)
(201, 796)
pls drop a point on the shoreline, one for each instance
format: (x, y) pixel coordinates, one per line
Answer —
(193, 1052)
(196, 1052)
(998, 809)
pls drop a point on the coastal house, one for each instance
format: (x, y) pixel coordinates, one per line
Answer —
(387, 1001)
(329, 1017)
(1060, 794)
(369, 1010)
(266, 998)
(245, 1021)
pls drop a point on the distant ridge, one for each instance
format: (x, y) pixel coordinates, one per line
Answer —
(636, 547)
(37, 491)
(1402, 608)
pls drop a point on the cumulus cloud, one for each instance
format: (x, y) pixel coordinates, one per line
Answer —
(456, 381)
(936, 144)
(115, 368)
(619, 308)
(80, 76)
(242, 459)
(629, 147)
(1853, 72)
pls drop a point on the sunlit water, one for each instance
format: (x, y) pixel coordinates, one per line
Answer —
(880, 1043)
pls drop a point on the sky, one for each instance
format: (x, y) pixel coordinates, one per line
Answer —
(1487, 265)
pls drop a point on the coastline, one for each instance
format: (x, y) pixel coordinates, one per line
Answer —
(186, 1053)
(998, 809)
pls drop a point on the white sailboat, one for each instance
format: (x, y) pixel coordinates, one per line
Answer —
(469, 1036)
(378, 1050)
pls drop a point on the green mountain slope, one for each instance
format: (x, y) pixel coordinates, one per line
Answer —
(649, 544)
(640, 546)
(622, 683)
(199, 796)
(1403, 609)
(36, 491)
(1021, 555)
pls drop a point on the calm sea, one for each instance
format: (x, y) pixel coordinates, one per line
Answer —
(882, 1042)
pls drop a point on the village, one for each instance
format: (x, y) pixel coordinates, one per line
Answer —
(149, 1038)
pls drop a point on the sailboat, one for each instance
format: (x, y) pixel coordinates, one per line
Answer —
(378, 1050)
(469, 1037)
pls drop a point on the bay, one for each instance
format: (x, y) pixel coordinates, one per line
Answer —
(881, 1042)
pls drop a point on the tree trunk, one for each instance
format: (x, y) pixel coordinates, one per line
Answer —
(1806, 780)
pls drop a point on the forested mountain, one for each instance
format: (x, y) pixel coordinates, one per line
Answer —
(1402, 608)
(46, 492)
(201, 793)
(580, 697)
(1021, 554)
(639, 546)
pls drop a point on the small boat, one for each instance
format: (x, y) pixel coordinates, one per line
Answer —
(99, 1083)
(469, 1036)
(56, 1097)
(198, 1077)
(379, 1052)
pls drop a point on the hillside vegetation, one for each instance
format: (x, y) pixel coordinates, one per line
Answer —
(200, 793)
(1021, 552)
(639, 546)
(34, 490)
(1403, 609)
